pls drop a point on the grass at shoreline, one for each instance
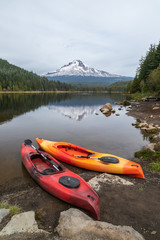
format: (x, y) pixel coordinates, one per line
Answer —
(153, 158)
(14, 209)
(138, 96)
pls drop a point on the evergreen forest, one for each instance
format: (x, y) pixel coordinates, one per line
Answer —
(13, 78)
(147, 77)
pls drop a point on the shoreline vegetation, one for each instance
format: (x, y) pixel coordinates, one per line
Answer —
(136, 96)
(139, 96)
(61, 91)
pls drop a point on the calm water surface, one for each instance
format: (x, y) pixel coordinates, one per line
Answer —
(63, 117)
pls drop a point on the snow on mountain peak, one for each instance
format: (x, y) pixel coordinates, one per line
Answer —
(78, 68)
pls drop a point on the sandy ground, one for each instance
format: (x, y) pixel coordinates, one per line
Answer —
(137, 205)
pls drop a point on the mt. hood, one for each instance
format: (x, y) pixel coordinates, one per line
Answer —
(78, 73)
(78, 68)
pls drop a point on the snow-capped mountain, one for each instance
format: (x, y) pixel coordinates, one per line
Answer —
(78, 68)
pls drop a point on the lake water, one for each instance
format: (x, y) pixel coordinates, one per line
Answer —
(63, 117)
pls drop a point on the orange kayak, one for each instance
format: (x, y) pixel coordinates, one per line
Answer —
(91, 160)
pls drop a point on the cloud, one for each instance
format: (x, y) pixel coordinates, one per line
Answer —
(111, 35)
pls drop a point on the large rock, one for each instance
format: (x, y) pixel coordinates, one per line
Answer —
(106, 108)
(74, 224)
(20, 223)
(3, 213)
(106, 178)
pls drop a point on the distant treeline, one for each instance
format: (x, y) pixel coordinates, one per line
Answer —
(13, 78)
(147, 77)
(90, 81)
(120, 86)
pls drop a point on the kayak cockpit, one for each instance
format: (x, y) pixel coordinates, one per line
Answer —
(43, 166)
(74, 150)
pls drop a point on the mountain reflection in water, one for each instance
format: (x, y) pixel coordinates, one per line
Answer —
(74, 106)
(76, 112)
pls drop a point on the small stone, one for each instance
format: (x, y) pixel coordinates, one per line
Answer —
(3, 213)
(139, 121)
(125, 103)
(151, 130)
(142, 125)
(150, 147)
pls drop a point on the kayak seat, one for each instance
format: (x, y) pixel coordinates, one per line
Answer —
(48, 171)
(69, 182)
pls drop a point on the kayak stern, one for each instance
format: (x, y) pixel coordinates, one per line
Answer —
(133, 169)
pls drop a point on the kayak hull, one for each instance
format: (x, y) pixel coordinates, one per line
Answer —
(77, 156)
(82, 195)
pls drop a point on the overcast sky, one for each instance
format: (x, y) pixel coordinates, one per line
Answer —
(110, 35)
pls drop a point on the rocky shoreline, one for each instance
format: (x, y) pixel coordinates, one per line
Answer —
(146, 111)
(73, 224)
(129, 206)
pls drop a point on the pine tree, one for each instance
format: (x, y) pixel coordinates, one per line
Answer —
(147, 77)
(135, 87)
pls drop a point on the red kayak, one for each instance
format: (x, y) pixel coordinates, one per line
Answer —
(60, 181)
